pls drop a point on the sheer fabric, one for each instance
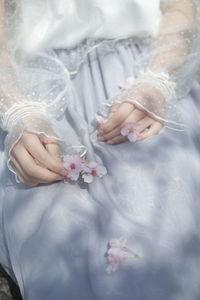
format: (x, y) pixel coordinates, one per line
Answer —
(166, 75)
(35, 90)
(65, 24)
(34, 93)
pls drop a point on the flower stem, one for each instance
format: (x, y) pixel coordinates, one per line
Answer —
(131, 252)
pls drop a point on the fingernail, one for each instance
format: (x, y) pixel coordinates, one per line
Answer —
(64, 173)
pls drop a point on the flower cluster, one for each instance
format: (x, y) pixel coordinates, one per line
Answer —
(77, 167)
(131, 131)
(116, 253)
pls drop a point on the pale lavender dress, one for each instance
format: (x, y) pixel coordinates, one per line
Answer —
(53, 237)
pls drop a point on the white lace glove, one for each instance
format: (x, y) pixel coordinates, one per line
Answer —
(171, 65)
(152, 93)
(138, 111)
(24, 115)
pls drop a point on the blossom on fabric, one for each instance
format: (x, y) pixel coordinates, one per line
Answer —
(92, 170)
(131, 131)
(73, 165)
(117, 253)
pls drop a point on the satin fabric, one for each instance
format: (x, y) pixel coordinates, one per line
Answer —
(64, 24)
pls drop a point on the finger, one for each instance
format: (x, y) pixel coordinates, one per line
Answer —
(20, 173)
(114, 109)
(16, 167)
(54, 151)
(117, 140)
(37, 150)
(154, 129)
(134, 117)
(51, 145)
(115, 132)
(144, 123)
(118, 117)
(30, 168)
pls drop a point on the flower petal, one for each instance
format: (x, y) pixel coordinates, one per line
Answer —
(92, 165)
(132, 137)
(88, 178)
(101, 170)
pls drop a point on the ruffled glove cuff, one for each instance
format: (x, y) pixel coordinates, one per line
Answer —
(151, 92)
(34, 117)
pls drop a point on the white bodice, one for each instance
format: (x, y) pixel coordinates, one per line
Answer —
(65, 23)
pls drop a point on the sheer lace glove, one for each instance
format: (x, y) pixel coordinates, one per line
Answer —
(145, 102)
(169, 67)
(32, 143)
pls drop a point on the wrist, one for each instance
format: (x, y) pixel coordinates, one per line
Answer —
(23, 112)
(156, 83)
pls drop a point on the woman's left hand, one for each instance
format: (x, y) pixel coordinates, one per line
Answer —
(124, 113)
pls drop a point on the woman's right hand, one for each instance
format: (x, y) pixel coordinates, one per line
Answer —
(37, 161)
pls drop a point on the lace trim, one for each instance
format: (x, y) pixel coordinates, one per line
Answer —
(160, 81)
(78, 55)
(21, 110)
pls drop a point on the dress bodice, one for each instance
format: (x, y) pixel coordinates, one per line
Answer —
(66, 23)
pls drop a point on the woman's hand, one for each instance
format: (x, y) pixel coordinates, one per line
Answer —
(122, 114)
(36, 161)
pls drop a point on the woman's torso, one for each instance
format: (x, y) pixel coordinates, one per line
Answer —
(66, 23)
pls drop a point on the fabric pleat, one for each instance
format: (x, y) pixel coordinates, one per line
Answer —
(53, 238)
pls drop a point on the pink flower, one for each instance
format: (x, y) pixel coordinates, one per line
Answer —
(116, 253)
(118, 243)
(73, 164)
(130, 130)
(115, 257)
(92, 170)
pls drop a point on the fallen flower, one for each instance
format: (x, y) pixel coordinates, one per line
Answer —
(77, 167)
(73, 165)
(116, 253)
(131, 131)
(92, 170)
